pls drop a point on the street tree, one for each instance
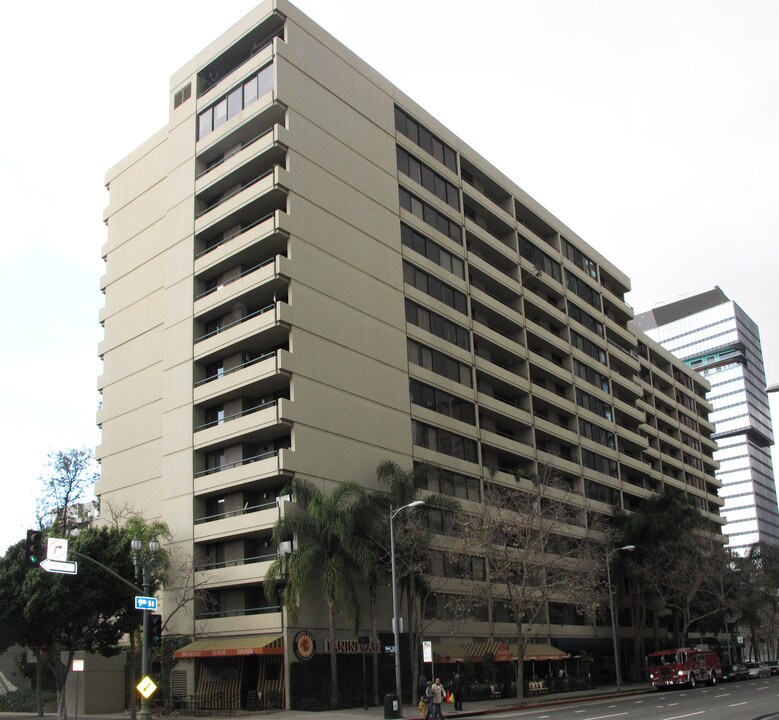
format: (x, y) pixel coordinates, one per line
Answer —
(56, 614)
(326, 546)
(659, 524)
(539, 549)
(65, 488)
(413, 530)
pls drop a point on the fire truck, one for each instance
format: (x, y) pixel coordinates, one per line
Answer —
(683, 666)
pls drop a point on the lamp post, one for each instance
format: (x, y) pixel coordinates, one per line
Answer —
(395, 619)
(626, 548)
(145, 570)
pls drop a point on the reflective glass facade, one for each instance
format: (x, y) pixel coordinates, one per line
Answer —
(715, 336)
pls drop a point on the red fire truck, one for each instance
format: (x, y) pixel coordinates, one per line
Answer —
(683, 666)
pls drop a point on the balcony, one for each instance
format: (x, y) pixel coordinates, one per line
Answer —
(262, 619)
(234, 572)
(265, 465)
(244, 424)
(236, 523)
(258, 322)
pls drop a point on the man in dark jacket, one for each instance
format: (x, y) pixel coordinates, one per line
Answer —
(457, 692)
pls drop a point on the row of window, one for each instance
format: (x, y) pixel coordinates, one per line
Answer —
(432, 251)
(593, 404)
(431, 181)
(585, 319)
(579, 287)
(234, 101)
(539, 258)
(420, 135)
(432, 286)
(438, 325)
(596, 433)
(588, 347)
(578, 258)
(442, 402)
(453, 484)
(598, 462)
(439, 363)
(593, 377)
(457, 565)
(443, 441)
(429, 215)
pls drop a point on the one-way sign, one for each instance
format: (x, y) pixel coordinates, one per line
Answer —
(66, 567)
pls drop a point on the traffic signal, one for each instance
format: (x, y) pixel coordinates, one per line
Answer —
(156, 630)
(33, 553)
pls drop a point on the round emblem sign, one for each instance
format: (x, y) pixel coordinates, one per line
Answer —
(304, 645)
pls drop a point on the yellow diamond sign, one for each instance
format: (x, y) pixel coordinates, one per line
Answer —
(146, 687)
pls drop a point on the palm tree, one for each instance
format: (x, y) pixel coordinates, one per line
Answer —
(412, 534)
(326, 544)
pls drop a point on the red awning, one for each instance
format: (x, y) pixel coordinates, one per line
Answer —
(234, 646)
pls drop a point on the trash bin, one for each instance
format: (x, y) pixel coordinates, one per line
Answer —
(392, 707)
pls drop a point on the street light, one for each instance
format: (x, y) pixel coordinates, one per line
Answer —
(395, 620)
(626, 548)
(146, 570)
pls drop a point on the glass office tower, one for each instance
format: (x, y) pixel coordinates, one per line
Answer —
(714, 336)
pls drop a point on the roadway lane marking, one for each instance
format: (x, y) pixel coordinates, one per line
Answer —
(603, 717)
(723, 695)
(737, 704)
(678, 717)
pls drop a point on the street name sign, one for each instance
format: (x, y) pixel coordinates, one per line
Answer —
(145, 603)
(65, 567)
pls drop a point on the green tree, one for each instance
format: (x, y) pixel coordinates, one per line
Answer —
(659, 525)
(326, 546)
(64, 613)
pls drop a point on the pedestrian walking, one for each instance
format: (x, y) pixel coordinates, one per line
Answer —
(428, 698)
(457, 692)
(438, 698)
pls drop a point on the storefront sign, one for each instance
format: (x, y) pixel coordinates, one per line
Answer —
(304, 645)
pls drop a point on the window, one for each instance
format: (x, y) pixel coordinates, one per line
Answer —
(578, 258)
(585, 319)
(578, 286)
(593, 377)
(598, 462)
(596, 433)
(438, 325)
(235, 101)
(539, 258)
(430, 216)
(442, 402)
(182, 95)
(588, 347)
(443, 441)
(432, 251)
(421, 136)
(439, 363)
(601, 493)
(453, 484)
(432, 286)
(593, 404)
(431, 181)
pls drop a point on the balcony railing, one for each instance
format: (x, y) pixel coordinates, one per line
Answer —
(224, 198)
(237, 463)
(248, 411)
(243, 147)
(236, 563)
(263, 264)
(243, 365)
(229, 325)
(233, 513)
(208, 614)
(234, 235)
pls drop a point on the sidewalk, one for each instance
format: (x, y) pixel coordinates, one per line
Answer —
(410, 712)
(470, 709)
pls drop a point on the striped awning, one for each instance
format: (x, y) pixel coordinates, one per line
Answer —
(543, 651)
(233, 646)
(479, 651)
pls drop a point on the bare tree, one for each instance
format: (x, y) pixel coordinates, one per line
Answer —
(538, 550)
(64, 490)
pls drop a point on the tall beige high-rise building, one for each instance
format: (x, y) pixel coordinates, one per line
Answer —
(306, 275)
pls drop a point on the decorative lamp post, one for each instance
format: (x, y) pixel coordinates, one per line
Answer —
(145, 570)
(626, 548)
(395, 619)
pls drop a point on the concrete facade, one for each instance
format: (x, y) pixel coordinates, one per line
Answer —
(296, 264)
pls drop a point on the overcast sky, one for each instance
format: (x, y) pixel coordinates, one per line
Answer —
(650, 128)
